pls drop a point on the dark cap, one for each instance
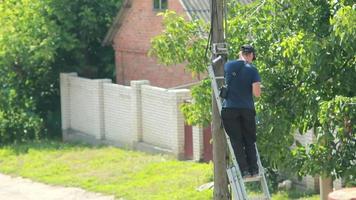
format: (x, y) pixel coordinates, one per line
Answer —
(248, 49)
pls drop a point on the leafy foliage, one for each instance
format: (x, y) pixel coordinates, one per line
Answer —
(298, 65)
(25, 44)
(306, 56)
(39, 39)
(199, 113)
(181, 41)
(333, 152)
(184, 42)
(83, 25)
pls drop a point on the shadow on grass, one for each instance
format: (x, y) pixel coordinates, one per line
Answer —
(255, 189)
(45, 145)
(295, 195)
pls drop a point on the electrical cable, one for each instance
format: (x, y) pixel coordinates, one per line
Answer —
(225, 27)
(212, 15)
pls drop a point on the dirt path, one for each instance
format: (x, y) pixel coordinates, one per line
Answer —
(24, 189)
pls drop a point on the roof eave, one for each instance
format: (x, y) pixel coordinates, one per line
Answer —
(109, 37)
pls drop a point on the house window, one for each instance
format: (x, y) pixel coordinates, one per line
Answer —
(160, 4)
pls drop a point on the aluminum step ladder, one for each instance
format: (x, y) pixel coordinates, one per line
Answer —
(237, 183)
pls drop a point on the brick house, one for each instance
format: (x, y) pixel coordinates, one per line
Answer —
(131, 32)
(135, 24)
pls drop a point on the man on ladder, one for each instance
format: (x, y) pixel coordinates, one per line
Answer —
(238, 110)
(235, 103)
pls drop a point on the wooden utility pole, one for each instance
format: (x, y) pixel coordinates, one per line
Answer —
(326, 186)
(221, 191)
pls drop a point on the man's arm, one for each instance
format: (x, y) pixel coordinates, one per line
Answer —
(256, 89)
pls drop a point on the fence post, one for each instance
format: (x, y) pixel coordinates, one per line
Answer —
(65, 102)
(136, 106)
(198, 143)
(178, 97)
(101, 103)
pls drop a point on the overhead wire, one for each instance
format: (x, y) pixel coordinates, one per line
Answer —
(210, 30)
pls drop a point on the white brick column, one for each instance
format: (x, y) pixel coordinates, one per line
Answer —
(198, 143)
(101, 107)
(65, 101)
(337, 184)
(309, 182)
(136, 107)
(306, 139)
(178, 97)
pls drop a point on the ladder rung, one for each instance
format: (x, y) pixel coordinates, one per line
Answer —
(258, 198)
(219, 77)
(252, 179)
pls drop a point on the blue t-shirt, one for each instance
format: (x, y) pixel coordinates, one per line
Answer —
(240, 76)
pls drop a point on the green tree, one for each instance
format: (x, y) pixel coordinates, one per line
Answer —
(333, 152)
(39, 39)
(185, 42)
(306, 56)
(27, 48)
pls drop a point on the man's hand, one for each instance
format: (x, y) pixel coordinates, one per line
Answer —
(256, 89)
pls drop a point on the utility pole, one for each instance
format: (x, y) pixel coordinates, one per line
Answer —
(221, 191)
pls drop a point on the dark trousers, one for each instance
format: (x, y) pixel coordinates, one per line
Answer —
(240, 125)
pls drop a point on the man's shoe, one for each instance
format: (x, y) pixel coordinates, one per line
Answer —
(245, 174)
(254, 172)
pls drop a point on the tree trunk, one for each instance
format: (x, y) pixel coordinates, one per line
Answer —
(326, 186)
(221, 191)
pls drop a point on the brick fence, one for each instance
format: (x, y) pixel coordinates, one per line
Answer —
(138, 116)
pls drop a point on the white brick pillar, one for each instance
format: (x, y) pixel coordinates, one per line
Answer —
(309, 182)
(178, 97)
(101, 107)
(65, 85)
(136, 107)
(337, 184)
(198, 143)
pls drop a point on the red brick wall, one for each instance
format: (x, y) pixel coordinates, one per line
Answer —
(132, 42)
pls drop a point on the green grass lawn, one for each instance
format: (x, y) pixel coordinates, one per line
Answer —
(126, 174)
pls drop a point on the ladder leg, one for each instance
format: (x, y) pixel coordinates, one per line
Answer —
(237, 172)
(234, 184)
(263, 178)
